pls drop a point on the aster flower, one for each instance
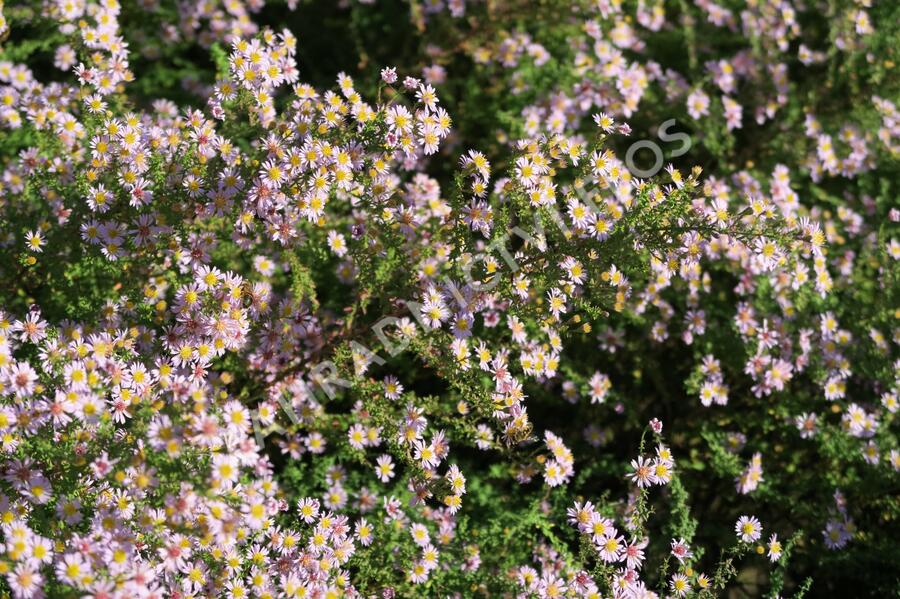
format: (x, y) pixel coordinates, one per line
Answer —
(748, 529)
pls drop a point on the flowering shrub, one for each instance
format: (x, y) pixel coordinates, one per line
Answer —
(519, 299)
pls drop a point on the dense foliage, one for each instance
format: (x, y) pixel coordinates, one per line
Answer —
(485, 298)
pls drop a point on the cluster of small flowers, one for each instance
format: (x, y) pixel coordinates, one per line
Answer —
(713, 390)
(610, 545)
(772, 366)
(554, 577)
(610, 79)
(508, 396)
(889, 132)
(560, 468)
(750, 478)
(85, 387)
(478, 214)
(859, 423)
(97, 387)
(840, 529)
(749, 530)
(613, 548)
(653, 471)
(203, 23)
(445, 523)
(826, 160)
(162, 444)
(681, 582)
(109, 66)
(511, 50)
(304, 167)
